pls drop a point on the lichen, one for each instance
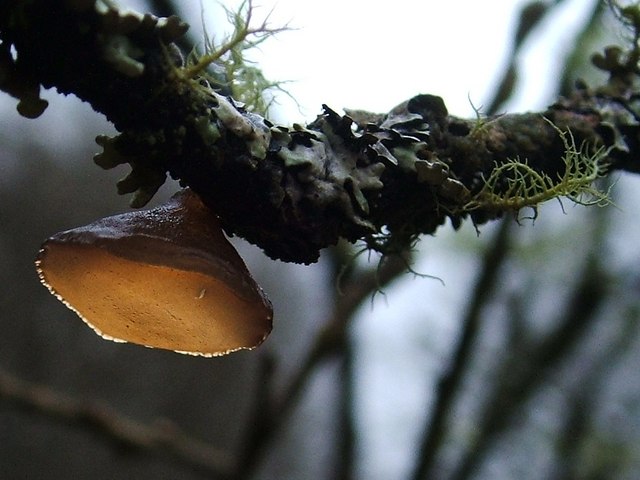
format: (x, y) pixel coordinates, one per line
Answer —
(118, 47)
(208, 130)
(123, 55)
(302, 156)
(145, 177)
(232, 71)
(515, 185)
(249, 128)
(20, 85)
(431, 172)
(344, 169)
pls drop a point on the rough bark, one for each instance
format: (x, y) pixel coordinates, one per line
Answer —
(385, 179)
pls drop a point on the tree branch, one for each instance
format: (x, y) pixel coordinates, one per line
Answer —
(293, 190)
(331, 340)
(164, 436)
(449, 385)
(583, 400)
(531, 364)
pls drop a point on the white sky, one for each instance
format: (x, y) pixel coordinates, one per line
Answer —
(373, 55)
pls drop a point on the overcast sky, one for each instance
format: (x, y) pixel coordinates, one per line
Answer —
(373, 55)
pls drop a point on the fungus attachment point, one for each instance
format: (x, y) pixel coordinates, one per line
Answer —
(165, 278)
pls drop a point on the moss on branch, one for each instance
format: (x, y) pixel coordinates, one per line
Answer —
(385, 179)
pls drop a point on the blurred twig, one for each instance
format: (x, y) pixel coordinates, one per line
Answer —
(331, 340)
(529, 366)
(530, 16)
(581, 52)
(163, 437)
(583, 401)
(346, 434)
(450, 383)
(529, 363)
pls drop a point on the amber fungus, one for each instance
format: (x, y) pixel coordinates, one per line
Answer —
(165, 278)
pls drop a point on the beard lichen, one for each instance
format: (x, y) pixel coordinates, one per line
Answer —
(514, 184)
(225, 66)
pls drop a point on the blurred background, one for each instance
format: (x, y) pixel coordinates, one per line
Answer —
(514, 355)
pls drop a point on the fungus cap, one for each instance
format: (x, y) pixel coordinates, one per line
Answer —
(165, 278)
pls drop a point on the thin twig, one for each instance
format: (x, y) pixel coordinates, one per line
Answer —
(329, 341)
(450, 383)
(530, 16)
(531, 365)
(583, 401)
(346, 433)
(162, 437)
(332, 336)
(578, 54)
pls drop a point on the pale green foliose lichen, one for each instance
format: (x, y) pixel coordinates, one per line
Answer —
(247, 126)
(207, 130)
(123, 55)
